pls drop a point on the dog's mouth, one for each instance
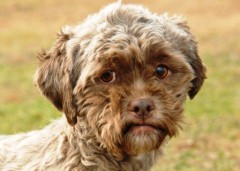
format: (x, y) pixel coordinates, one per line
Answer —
(141, 138)
(143, 128)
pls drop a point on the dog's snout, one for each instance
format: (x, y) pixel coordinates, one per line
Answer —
(141, 107)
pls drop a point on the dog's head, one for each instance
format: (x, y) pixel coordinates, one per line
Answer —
(125, 72)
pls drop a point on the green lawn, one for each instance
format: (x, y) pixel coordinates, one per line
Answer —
(210, 139)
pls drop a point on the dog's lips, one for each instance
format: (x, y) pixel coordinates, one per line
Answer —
(142, 128)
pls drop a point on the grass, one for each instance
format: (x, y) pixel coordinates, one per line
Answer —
(210, 139)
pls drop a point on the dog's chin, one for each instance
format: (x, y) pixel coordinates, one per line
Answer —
(140, 139)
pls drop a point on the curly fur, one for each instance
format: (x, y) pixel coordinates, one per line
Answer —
(97, 132)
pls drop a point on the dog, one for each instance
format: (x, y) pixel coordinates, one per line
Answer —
(121, 79)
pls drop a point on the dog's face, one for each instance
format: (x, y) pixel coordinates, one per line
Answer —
(125, 73)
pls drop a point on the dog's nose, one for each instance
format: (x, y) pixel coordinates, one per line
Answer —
(142, 107)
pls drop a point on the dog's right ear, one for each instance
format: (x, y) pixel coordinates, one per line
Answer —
(53, 76)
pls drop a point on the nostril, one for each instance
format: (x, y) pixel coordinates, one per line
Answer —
(149, 108)
(136, 109)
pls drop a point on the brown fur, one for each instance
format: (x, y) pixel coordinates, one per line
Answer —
(101, 133)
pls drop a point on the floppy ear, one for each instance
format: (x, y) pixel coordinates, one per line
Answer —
(200, 75)
(53, 77)
(182, 39)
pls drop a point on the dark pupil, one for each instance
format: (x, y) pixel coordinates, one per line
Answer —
(160, 71)
(107, 76)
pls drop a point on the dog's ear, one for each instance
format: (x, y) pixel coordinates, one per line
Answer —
(200, 75)
(182, 39)
(53, 77)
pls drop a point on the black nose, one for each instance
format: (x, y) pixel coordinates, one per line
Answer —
(141, 107)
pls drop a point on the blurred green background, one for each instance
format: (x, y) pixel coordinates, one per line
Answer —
(210, 140)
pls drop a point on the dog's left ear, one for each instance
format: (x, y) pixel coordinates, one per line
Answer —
(200, 75)
(183, 40)
(53, 76)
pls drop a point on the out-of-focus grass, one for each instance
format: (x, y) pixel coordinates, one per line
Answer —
(210, 140)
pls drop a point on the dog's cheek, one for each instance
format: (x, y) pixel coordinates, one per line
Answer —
(110, 123)
(100, 112)
(110, 133)
(178, 85)
(169, 109)
(117, 94)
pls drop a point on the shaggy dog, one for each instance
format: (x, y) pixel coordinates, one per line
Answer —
(121, 79)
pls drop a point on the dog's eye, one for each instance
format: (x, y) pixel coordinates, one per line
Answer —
(161, 72)
(108, 76)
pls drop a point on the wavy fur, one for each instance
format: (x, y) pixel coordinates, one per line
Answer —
(98, 132)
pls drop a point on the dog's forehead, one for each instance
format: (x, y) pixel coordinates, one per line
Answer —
(126, 34)
(119, 24)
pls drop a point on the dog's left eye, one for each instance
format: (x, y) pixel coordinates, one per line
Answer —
(161, 72)
(108, 76)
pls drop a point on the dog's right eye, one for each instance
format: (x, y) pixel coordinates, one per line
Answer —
(108, 76)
